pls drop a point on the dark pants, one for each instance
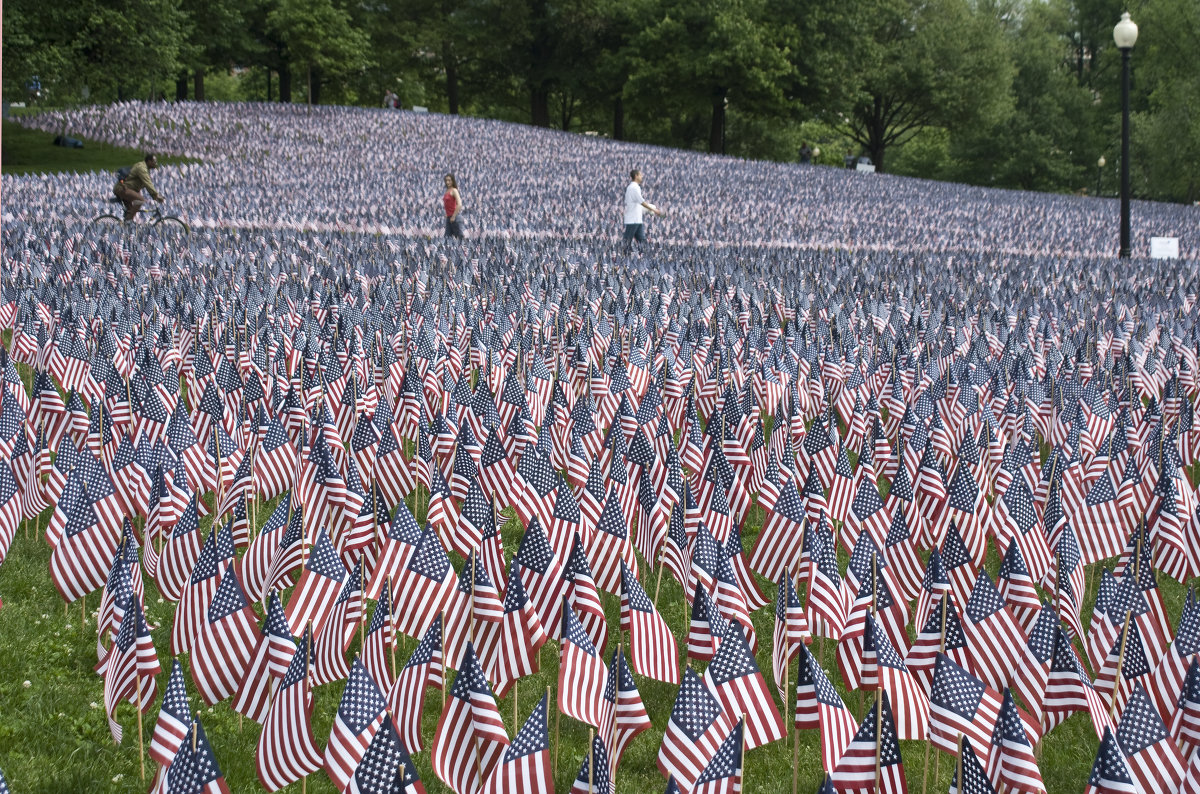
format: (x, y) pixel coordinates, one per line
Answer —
(454, 229)
(132, 199)
(635, 231)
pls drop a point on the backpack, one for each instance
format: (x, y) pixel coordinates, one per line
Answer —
(123, 173)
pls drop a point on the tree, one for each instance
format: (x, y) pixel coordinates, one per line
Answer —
(318, 35)
(922, 64)
(698, 55)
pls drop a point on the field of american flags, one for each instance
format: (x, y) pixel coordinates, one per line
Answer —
(564, 418)
(55, 736)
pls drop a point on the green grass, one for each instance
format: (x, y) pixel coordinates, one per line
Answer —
(30, 151)
(52, 738)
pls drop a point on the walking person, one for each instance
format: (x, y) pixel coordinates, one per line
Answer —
(453, 204)
(635, 205)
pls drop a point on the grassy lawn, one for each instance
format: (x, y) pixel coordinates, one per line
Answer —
(29, 151)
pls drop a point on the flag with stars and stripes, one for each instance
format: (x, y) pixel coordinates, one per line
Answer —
(380, 637)
(697, 726)
(581, 672)
(652, 646)
(322, 580)
(969, 776)
(268, 666)
(871, 763)
(287, 750)
(130, 668)
(1011, 762)
(594, 776)
(517, 640)
(525, 765)
(427, 582)
(358, 717)
(993, 634)
(174, 718)
(624, 712)
(406, 699)
(225, 641)
(734, 677)
(1153, 759)
(723, 775)
(195, 770)
(386, 767)
(1110, 773)
(470, 737)
(819, 706)
(790, 632)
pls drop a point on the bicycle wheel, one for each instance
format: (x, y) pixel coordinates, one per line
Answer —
(107, 221)
(171, 227)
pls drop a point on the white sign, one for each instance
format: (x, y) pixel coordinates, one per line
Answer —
(419, 109)
(1164, 247)
(866, 168)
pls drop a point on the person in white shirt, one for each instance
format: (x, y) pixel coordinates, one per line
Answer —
(634, 206)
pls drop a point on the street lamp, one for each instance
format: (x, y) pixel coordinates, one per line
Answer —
(1125, 35)
(1099, 171)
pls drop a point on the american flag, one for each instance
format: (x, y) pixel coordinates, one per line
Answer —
(399, 537)
(180, 553)
(694, 733)
(790, 632)
(1125, 665)
(424, 669)
(594, 777)
(581, 673)
(191, 612)
(819, 706)
(1068, 688)
(1011, 762)
(195, 770)
(380, 638)
(386, 767)
(174, 718)
(973, 778)
(358, 717)
(474, 519)
(828, 601)
(959, 703)
(724, 772)
(580, 590)
(995, 638)
(734, 677)
(540, 573)
(129, 670)
(1017, 588)
(333, 638)
(625, 714)
(872, 755)
(80, 561)
(286, 749)
(778, 548)
(470, 738)
(322, 580)
(427, 581)
(1032, 672)
(1110, 773)
(1153, 760)
(225, 641)
(518, 639)
(904, 689)
(268, 666)
(1185, 718)
(611, 546)
(525, 766)
(651, 643)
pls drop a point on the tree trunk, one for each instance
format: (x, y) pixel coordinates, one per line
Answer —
(285, 83)
(181, 87)
(716, 130)
(618, 119)
(315, 80)
(198, 84)
(539, 107)
(309, 92)
(268, 83)
(450, 64)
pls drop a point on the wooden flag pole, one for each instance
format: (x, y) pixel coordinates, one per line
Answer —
(958, 781)
(392, 620)
(307, 657)
(878, 737)
(362, 586)
(929, 743)
(591, 759)
(1112, 707)
(141, 742)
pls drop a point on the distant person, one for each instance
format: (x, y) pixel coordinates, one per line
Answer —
(806, 153)
(390, 100)
(850, 160)
(634, 207)
(452, 202)
(130, 186)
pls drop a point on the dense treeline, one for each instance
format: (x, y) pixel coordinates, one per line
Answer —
(1013, 93)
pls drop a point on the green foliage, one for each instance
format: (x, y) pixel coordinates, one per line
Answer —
(29, 151)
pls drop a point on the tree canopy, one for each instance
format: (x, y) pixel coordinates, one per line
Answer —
(1012, 93)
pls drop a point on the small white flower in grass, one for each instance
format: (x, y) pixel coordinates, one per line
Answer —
(56, 633)
(160, 600)
(68, 626)
(45, 616)
(94, 705)
(210, 711)
(27, 684)
(117, 777)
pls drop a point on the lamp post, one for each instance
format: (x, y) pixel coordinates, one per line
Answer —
(1099, 172)
(1125, 35)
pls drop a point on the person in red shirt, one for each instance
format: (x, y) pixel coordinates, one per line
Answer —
(452, 201)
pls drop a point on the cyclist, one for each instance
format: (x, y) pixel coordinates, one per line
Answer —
(129, 188)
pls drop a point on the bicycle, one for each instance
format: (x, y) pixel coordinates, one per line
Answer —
(158, 221)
